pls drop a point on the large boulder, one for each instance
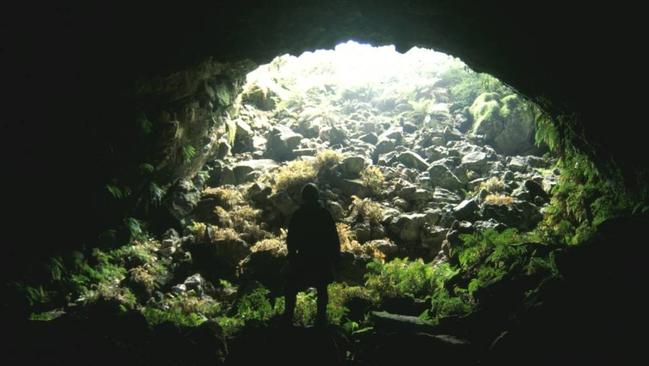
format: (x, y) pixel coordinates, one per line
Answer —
(351, 187)
(476, 161)
(266, 266)
(432, 238)
(281, 141)
(506, 123)
(243, 138)
(353, 165)
(411, 340)
(445, 196)
(415, 195)
(408, 226)
(466, 210)
(412, 160)
(183, 200)
(248, 170)
(441, 176)
(384, 146)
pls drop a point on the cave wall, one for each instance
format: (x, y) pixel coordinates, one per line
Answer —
(73, 74)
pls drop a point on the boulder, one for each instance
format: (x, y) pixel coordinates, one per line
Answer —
(507, 123)
(170, 242)
(363, 232)
(410, 341)
(393, 133)
(334, 135)
(350, 187)
(440, 175)
(243, 138)
(466, 210)
(385, 246)
(265, 266)
(384, 146)
(227, 177)
(432, 237)
(517, 164)
(242, 170)
(281, 141)
(353, 165)
(183, 199)
(475, 160)
(415, 195)
(412, 160)
(408, 226)
(536, 190)
(377, 232)
(200, 285)
(370, 138)
(445, 196)
(522, 215)
(336, 210)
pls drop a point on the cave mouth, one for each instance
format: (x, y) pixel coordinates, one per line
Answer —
(401, 145)
(430, 171)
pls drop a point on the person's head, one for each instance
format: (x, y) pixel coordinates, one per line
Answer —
(310, 193)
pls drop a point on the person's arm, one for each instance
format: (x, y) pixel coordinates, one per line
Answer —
(291, 245)
(334, 239)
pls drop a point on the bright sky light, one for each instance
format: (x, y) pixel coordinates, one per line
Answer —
(352, 64)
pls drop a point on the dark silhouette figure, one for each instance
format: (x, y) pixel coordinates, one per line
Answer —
(313, 249)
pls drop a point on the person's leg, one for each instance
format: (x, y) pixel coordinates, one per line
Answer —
(290, 294)
(323, 299)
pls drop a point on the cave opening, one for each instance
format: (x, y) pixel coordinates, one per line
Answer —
(401, 144)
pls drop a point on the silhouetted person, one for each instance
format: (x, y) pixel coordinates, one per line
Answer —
(313, 249)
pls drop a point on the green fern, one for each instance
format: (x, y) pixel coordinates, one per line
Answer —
(146, 168)
(188, 153)
(134, 227)
(156, 194)
(117, 192)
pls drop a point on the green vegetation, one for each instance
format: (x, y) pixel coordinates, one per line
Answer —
(294, 175)
(373, 178)
(499, 199)
(493, 185)
(583, 197)
(367, 210)
(467, 85)
(327, 159)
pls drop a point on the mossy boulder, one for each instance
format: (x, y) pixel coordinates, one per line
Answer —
(507, 123)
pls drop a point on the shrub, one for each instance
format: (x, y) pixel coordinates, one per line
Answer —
(498, 199)
(349, 244)
(256, 305)
(226, 197)
(339, 296)
(327, 159)
(373, 178)
(274, 245)
(401, 277)
(493, 185)
(198, 230)
(222, 234)
(294, 175)
(368, 210)
(185, 309)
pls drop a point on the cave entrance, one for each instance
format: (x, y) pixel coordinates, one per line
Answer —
(402, 145)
